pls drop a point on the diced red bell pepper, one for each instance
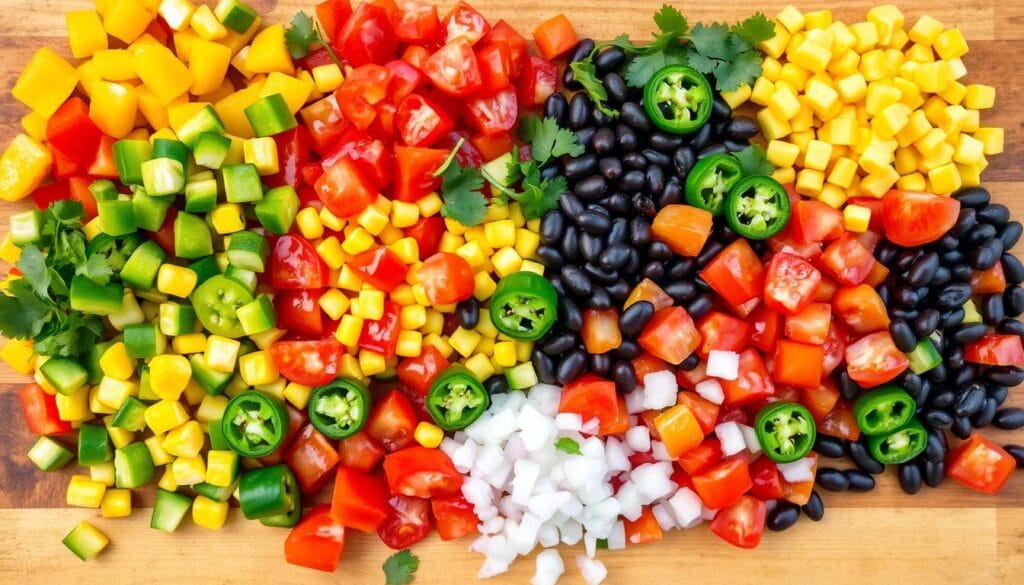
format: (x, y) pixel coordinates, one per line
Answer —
(344, 190)
(810, 325)
(722, 332)
(537, 81)
(995, 350)
(454, 516)
(701, 457)
(332, 15)
(751, 383)
(980, 464)
(415, 173)
(723, 483)
(767, 482)
(360, 500)
(422, 472)
(317, 541)
(380, 267)
(381, 335)
(72, 133)
(590, 397)
(40, 411)
(427, 232)
(797, 364)
(294, 152)
(555, 37)
(44, 195)
(766, 328)
(736, 273)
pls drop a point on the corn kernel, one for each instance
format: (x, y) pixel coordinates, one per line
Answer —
(410, 343)
(330, 251)
(505, 353)
(407, 249)
(257, 368)
(762, 92)
(165, 415)
(506, 261)
(480, 365)
(116, 363)
(856, 218)
(473, 252)
(876, 184)
(434, 322)
(428, 435)
(261, 153)
(439, 343)
(309, 224)
(168, 375)
(334, 303)
(222, 353)
(331, 221)
(412, 317)
(812, 54)
(359, 240)
(227, 218)
(221, 468)
(211, 408)
(368, 305)
(791, 18)
(349, 279)
(464, 341)
(349, 330)
(372, 220)
(817, 155)
(189, 343)
(781, 153)
(912, 182)
(185, 440)
(209, 513)
(944, 179)
(832, 196)
(176, 280)
(809, 182)
(740, 95)
(371, 362)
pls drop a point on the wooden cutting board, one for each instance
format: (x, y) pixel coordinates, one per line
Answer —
(945, 535)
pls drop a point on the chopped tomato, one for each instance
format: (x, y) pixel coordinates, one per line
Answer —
(299, 312)
(40, 411)
(419, 373)
(502, 32)
(427, 232)
(705, 410)
(447, 278)
(491, 147)
(679, 430)
(360, 451)
(735, 273)
(847, 260)
(408, 522)
(810, 325)
(454, 516)
(913, 219)
(363, 88)
(766, 480)
(827, 290)
(44, 195)
(344, 190)
(468, 155)
(742, 523)
(995, 350)
(980, 464)
(312, 457)
(325, 121)
(381, 335)
(991, 281)
(332, 14)
(421, 121)
(701, 457)
(723, 483)
(813, 221)
(372, 157)
(644, 529)
(454, 70)
(766, 326)
(555, 37)
(621, 422)
(646, 363)
(537, 81)
(822, 400)
(496, 114)
(392, 421)
(417, 22)
(648, 290)
(684, 228)
(790, 284)
(722, 332)
(877, 275)
(294, 152)
(840, 422)
(367, 36)
(835, 349)
(687, 379)
(670, 335)
(360, 500)
(797, 364)
(861, 309)
(379, 267)
(785, 241)
(874, 359)
(600, 330)
(590, 397)
(463, 22)
(416, 56)
(752, 382)
(294, 264)
(415, 173)
(311, 363)
(421, 472)
(317, 541)
(495, 61)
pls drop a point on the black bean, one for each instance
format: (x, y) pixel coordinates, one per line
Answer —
(625, 138)
(923, 269)
(593, 222)
(961, 272)
(616, 86)
(582, 50)
(934, 473)
(1010, 234)
(600, 299)
(600, 117)
(832, 479)
(618, 203)
(998, 393)
(674, 193)
(968, 333)
(1005, 375)
(783, 516)
(1012, 327)
(1009, 418)
(599, 275)
(635, 317)
(496, 385)
(701, 138)
(633, 114)
(571, 206)
(634, 161)
(628, 350)
(655, 179)
(1013, 301)
(571, 366)
(552, 226)
(632, 264)
(556, 283)
(591, 247)
(681, 291)
(948, 242)
(986, 414)
(936, 448)
(556, 345)
(907, 314)
(632, 181)
(584, 135)
(906, 259)
(579, 111)
(973, 197)
(992, 309)
(1017, 452)
(741, 128)
(544, 367)
(711, 150)
(576, 281)
(953, 295)
(609, 59)
(939, 419)
(814, 508)
(569, 79)
(966, 220)
(831, 447)
(601, 363)
(982, 232)
(970, 401)
(939, 373)
(985, 256)
(996, 214)
(943, 399)
(859, 481)
(847, 387)
(614, 256)
(951, 318)
(610, 168)
(926, 322)
(624, 377)
(942, 276)
(708, 253)
(658, 251)
(557, 107)
(862, 458)
(570, 244)
(961, 428)
(910, 477)
(657, 157)
(580, 167)
(550, 257)
(902, 335)
(683, 159)
(619, 290)
(468, 313)
(604, 140)
(654, 271)
(664, 140)
(701, 306)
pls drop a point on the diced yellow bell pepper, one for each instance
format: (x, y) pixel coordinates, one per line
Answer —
(410, 343)
(206, 25)
(294, 90)
(464, 341)
(209, 513)
(297, 394)
(950, 44)
(23, 167)
(177, 13)
(791, 18)
(113, 392)
(162, 72)
(235, 41)
(126, 19)
(208, 65)
(113, 107)
(86, 34)
(74, 408)
(371, 363)
(189, 470)
(268, 52)
(165, 415)
(116, 503)
(19, 355)
(439, 343)
(231, 110)
(369, 304)
(257, 368)
(83, 492)
(261, 153)
(327, 77)
(221, 468)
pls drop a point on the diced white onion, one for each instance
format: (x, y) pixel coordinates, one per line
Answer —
(549, 568)
(685, 506)
(593, 570)
(711, 390)
(660, 389)
(723, 364)
(639, 439)
(798, 471)
(750, 438)
(731, 438)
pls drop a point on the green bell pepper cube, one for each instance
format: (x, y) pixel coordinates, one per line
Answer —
(117, 217)
(246, 278)
(131, 416)
(217, 440)
(146, 393)
(133, 466)
(213, 381)
(268, 491)
(104, 189)
(169, 510)
(86, 541)
(150, 212)
(92, 361)
(258, 315)
(205, 268)
(27, 227)
(242, 183)
(66, 374)
(144, 340)
(211, 150)
(248, 250)
(141, 268)
(192, 238)
(172, 149)
(270, 115)
(163, 176)
(94, 299)
(278, 208)
(215, 492)
(49, 455)
(235, 15)
(94, 445)
(925, 357)
(176, 319)
(129, 156)
(205, 121)
(200, 195)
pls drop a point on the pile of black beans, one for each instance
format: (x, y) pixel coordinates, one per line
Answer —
(597, 246)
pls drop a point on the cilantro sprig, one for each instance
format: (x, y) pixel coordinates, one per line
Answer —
(400, 567)
(726, 52)
(462, 199)
(303, 34)
(754, 161)
(37, 304)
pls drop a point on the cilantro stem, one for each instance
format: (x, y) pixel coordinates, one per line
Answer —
(451, 157)
(326, 45)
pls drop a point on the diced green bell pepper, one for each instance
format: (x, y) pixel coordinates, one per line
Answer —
(248, 250)
(117, 217)
(142, 266)
(26, 227)
(49, 455)
(129, 156)
(131, 416)
(235, 15)
(277, 210)
(163, 176)
(172, 149)
(270, 115)
(133, 466)
(257, 316)
(94, 299)
(104, 189)
(211, 150)
(144, 340)
(213, 381)
(150, 212)
(200, 195)
(242, 183)
(205, 121)
(192, 238)
(94, 445)
(205, 268)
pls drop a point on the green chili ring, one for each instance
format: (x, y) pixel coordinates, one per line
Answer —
(710, 180)
(457, 398)
(254, 424)
(524, 306)
(757, 207)
(786, 431)
(678, 99)
(339, 409)
(269, 492)
(901, 445)
(883, 410)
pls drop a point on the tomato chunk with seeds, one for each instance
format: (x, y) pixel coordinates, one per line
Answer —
(790, 283)
(913, 219)
(995, 350)
(847, 260)
(736, 274)
(980, 464)
(860, 309)
(874, 359)
(670, 335)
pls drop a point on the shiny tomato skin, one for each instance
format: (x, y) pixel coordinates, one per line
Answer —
(670, 335)
(311, 363)
(325, 121)
(408, 522)
(372, 157)
(537, 81)
(518, 47)
(392, 421)
(736, 273)
(797, 364)
(835, 349)
(701, 457)
(840, 422)
(813, 221)
(495, 114)
(847, 260)
(495, 61)
(421, 472)
(912, 219)
(454, 70)
(591, 397)
(312, 457)
(980, 464)
(344, 190)
(359, 500)
(742, 523)
(416, 22)
(790, 283)
(822, 400)
(810, 325)
(367, 36)
(765, 328)
(447, 278)
(995, 350)
(427, 232)
(414, 177)
(860, 309)
(723, 483)
(294, 264)
(363, 89)
(454, 516)
(419, 373)
(421, 122)
(360, 451)
(463, 22)
(874, 359)
(752, 383)
(316, 542)
(299, 312)
(767, 482)
(722, 332)
(379, 267)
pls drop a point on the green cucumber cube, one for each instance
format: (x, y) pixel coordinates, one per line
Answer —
(133, 466)
(66, 374)
(205, 268)
(521, 377)
(248, 250)
(169, 510)
(192, 238)
(235, 15)
(278, 208)
(177, 319)
(117, 217)
(201, 195)
(246, 278)
(242, 183)
(215, 492)
(85, 541)
(131, 416)
(172, 149)
(94, 445)
(26, 227)
(144, 340)
(205, 121)
(129, 156)
(150, 212)
(211, 150)
(270, 115)
(212, 381)
(145, 387)
(257, 315)
(163, 176)
(142, 266)
(94, 299)
(104, 189)
(49, 455)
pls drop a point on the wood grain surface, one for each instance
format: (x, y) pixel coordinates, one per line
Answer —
(945, 535)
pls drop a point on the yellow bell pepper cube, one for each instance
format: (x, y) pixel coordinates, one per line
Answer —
(950, 44)
(208, 65)
(209, 513)
(168, 375)
(369, 304)
(74, 408)
(207, 26)
(165, 415)
(500, 234)
(162, 72)
(221, 468)
(294, 90)
(261, 153)
(34, 125)
(189, 470)
(979, 97)
(739, 96)
(481, 366)
(334, 303)
(297, 394)
(113, 392)
(231, 111)
(348, 367)
(211, 408)
(268, 52)
(19, 355)
(349, 330)
(176, 280)
(791, 18)
(372, 363)
(23, 166)
(177, 13)
(104, 473)
(47, 80)
(116, 503)
(86, 34)
(944, 179)
(410, 343)
(222, 353)
(83, 492)
(428, 435)
(327, 77)
(185, 440)
(464, 341)
(257, 368)
(151, 107)
(111, 65)
(116, 363)
(925, 30)
(992, 138)
(126, 19)
(113, 107)
(856, 218)
(506, 261)
(156, 450)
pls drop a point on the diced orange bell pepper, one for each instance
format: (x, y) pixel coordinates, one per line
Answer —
(679, 429)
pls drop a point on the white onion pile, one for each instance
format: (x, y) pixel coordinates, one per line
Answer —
(527, 492)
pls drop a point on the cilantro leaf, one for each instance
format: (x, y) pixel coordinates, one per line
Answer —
(643, 67)
(754, 161)
(670, 20)
(22, 314)
(400, 567)
(96, 269)
(547, 139)
(743, 68)
(585, 72)
(71, 334)
(302, 34)
(710, 39)
(32, 265)
(539, 196)
(756, 29)
(460, 190)
(567, 445)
